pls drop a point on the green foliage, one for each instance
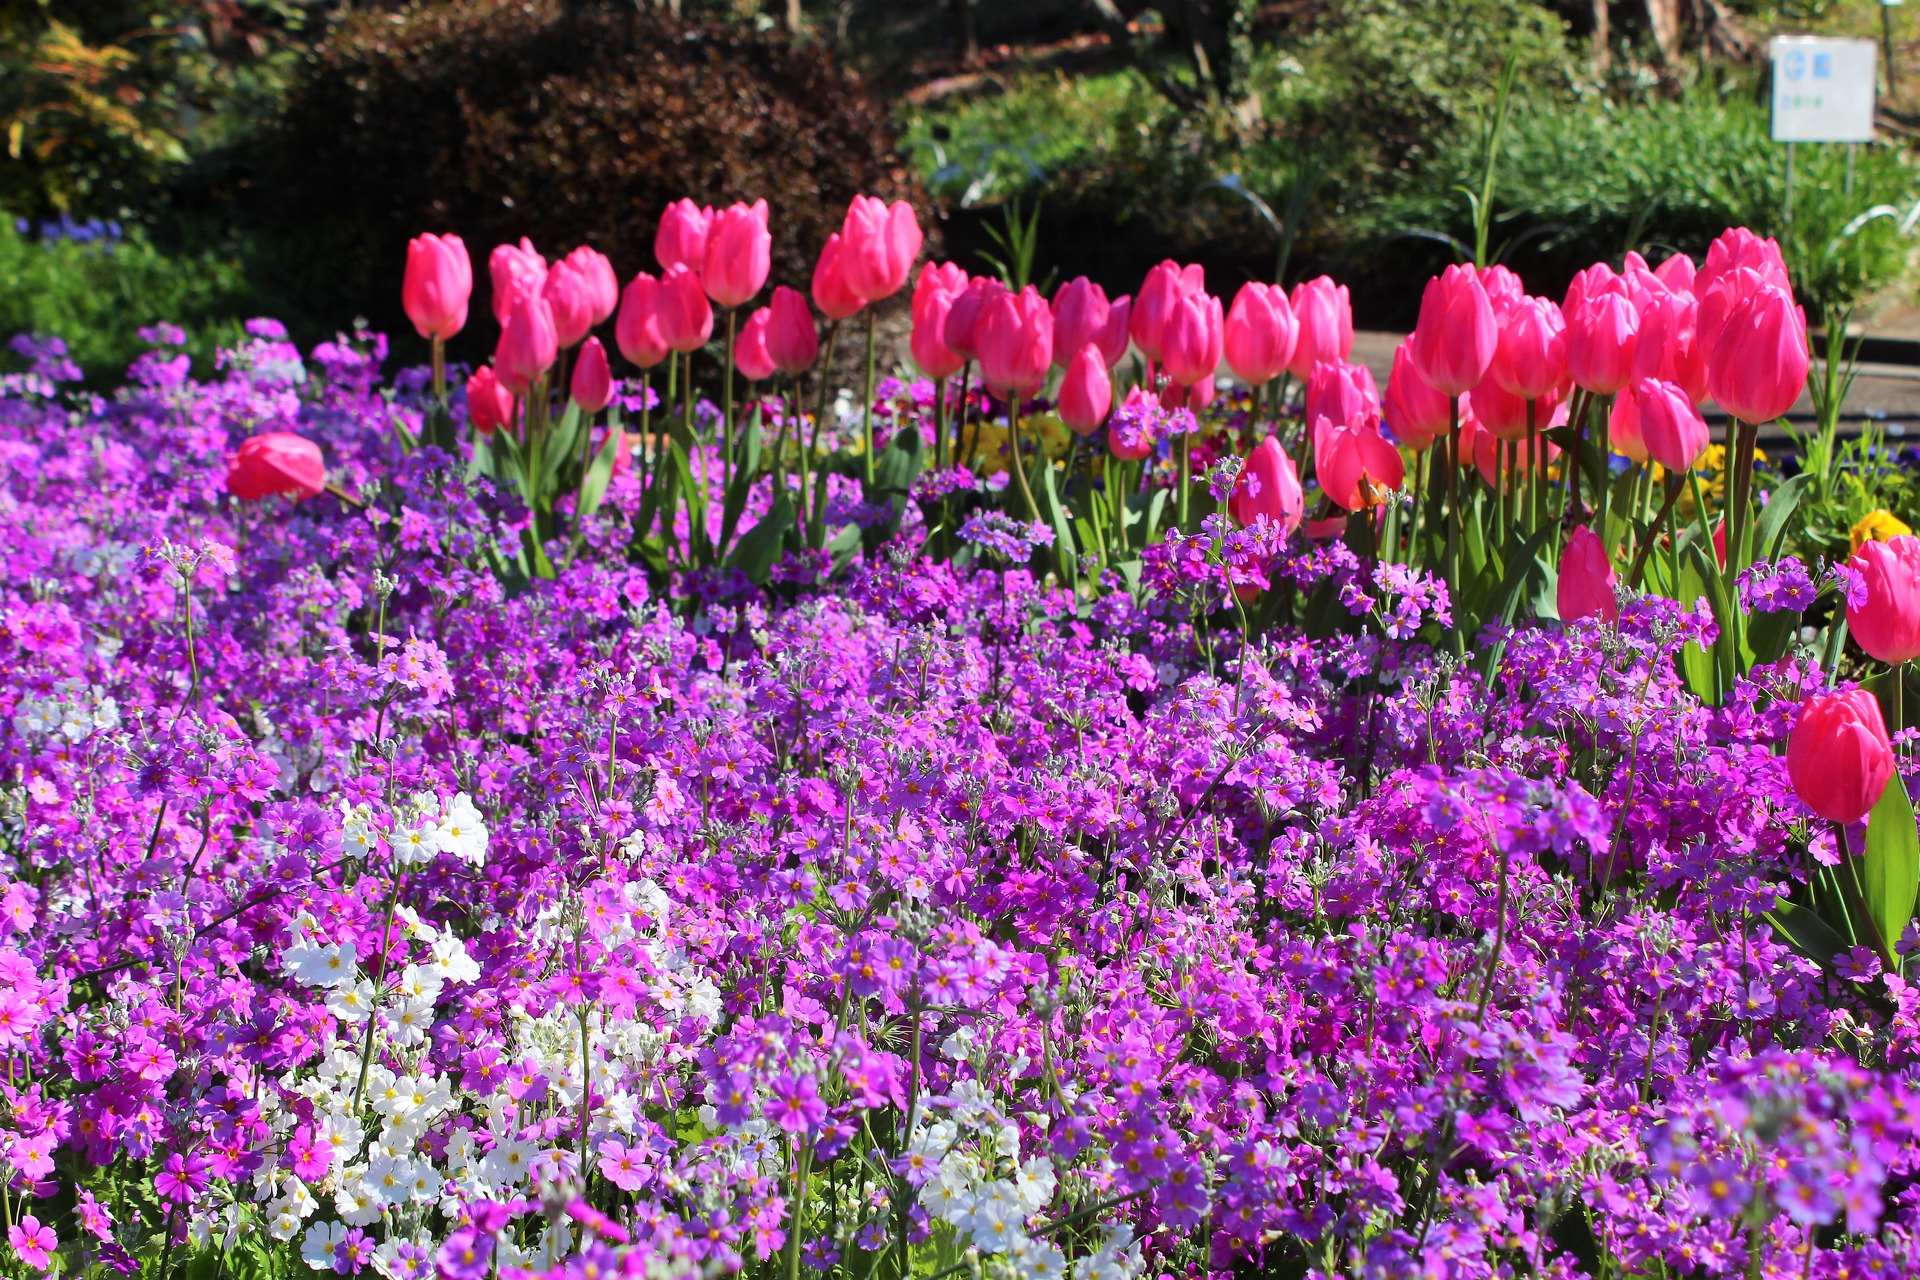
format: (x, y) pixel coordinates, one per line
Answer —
(96, 296)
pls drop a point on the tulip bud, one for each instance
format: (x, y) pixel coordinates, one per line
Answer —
(637, 329)
(750, 355)
(927, 342)
(1454, 339)
(1671, 427)
(831, 293)
(1676, 273)
(528, 346)
(438, 285)
(1015, 337)
(570, 297)
(1354, 463)
(1165, 284)
(1415, 413)
(489, 403)
(1530, 354)
(1323, 313)
(681, 240)
(1591, 283)
(602, 287)
(1887, 623)
(1759, 364)
(1268, 488)
(878, 243)
(592, 387)
(1342, 394)
(792, 341)
(1667, 346)
(1838, 755)
(681, 310)
(1260, 333)
(1586, 586)
(1080, 315)
(1190, 340)
(514, 270)
(739, 254)
(1086, 391)
(963, 317)
(1503, 288)
(1600, 341)
(1114, 339)
(1623, 429)
(276, 463)
(1505, 414)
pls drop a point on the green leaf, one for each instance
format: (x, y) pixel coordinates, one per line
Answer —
(1890, 866)
(760, 546)
(843, 546)
(563, 438)
(593, 485)
(1696, 664)
(1806, 932)
(1065, 555)
(745, 471)
(1770, 531)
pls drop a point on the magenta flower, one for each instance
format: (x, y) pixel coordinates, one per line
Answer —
(32, 1243)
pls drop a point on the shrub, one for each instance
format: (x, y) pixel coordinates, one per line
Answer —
(571, 124)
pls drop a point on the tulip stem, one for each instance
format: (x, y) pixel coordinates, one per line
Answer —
(440, 370)
(1535, 472)
(867, 414)
(726, 404)
(1647, 540)
(939, 423)
(1414, 522)
(1455, 529)
(1018, 463)
(1186, 475)
(1602, 422)
(1898, 707)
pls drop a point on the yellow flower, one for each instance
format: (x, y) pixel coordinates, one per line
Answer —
(1053, 435)
(1878, 526)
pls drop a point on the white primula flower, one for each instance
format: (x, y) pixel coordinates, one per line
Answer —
(420, 982)
(410, 1021)
(414, 843)
(451, 961)
(390, 1180)
(352, 1003)
(317, 1246)
(462, 832)
(316, 966)
(1034, 1183)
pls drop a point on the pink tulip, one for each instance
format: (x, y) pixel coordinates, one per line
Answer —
(1530, 355)
(1591, 283)
(1165, 284)
(1081, 314)
(1454, 339)
(1838, 755)
(277, 463)
(1676, 273)
(1342, 394)
(878, 244)
(636, 331)
(1759, 364)
(1668, 344)
(438, 285)
(1131, 445)
(1260, 334)
(739, 254)
(1887, 623)
(1503, 288)
(1268, 489)
(1015, 338)
(1190, 341)
(927, 342)
(528, 345)
(602, 286)
(592, 387)
(1740, 249)
(681, 310)
(1415, 413)
(1086, 390)
(1323, 312)
(1623, 429)
(831, 293)
(948, 277)
(792, 341)
(963, 317)
(1118, 335)
(750, 354)
(1600, 338)
(1586, 588)
(1674, 433)
(489, 403)
(1351, 459)
(570, 296)
(1505, 414)
(681, 240)
(514, 270)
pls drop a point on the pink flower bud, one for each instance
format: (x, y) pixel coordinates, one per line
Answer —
(1758, 365)
(1015, 337)
(1454, 339)
(739, 254)
(438, 285)
(1165, 284)
(750, 355)
(1086, 390)
(1191, 338)
(1838, 755)
(277, 463)
(960, 332)
(1415, 412)
(831, 292)
(514, 270)
(1081, 314)
(1530, 355)
(592, 387)
(1268, 488)
(528, 346)
(1887, 623)
(1600, 341)
(570, 297)
(1324, 313)
(636, 331)
(792, 341)
(878, 244)
(684, 316)
(1671, 428)
(601, 284)
(681, 240)
(1260, 333)
(1586, 587)
(489, 403)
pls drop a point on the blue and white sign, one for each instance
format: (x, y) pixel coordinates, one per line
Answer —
(1822, 89)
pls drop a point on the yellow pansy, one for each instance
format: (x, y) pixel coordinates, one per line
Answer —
(1878, 526)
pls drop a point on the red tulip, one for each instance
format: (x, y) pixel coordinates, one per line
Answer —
(1671, 427)
(792, 341)
(1454, 339)
(1165, 284)
(1260, 333)
(1759, 364)
(681, 310)
(1268, 488)
(1190, 340)
(570, 296)
(636, 331)
(1415, 412)
(1838, 755)
(1530, 354)
(1323, 311)
(1668, 345)
(750, 354)
(514, 270)
(739, 254)
(681, 240)
(1351, 459)
(1082, 314)
(592, 387)
(528, 345)
(878, 243)
(1887, 623)
(1586, 587)
(278, 462)
(933, 299)
(489, 403)
(1086, 391)
(961, 330)
(602, 286)
(831, 293)
(1600, 339)
(1015, 337)
(438, 285)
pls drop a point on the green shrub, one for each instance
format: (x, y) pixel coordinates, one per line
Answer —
(97, 296)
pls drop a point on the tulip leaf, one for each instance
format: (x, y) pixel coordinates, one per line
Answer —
(1806, 932)
(746, 470)
(1525, 564)
(1771, 529)
(1066, 556)
(843, 546)
(1890, 866)
(593, 485)
(1696, 664)
(760, 546)
(562, 438)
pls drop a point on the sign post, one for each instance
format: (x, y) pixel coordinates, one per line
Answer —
(1823, 91)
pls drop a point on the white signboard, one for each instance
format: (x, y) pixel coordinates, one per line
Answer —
(1822, 89)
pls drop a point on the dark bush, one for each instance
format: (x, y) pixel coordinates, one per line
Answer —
(570, 123)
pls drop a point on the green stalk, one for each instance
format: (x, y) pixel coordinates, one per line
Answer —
(867, 414)
(726, 404)
(1456, 532)
(1019, 463)
(1185, 453)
